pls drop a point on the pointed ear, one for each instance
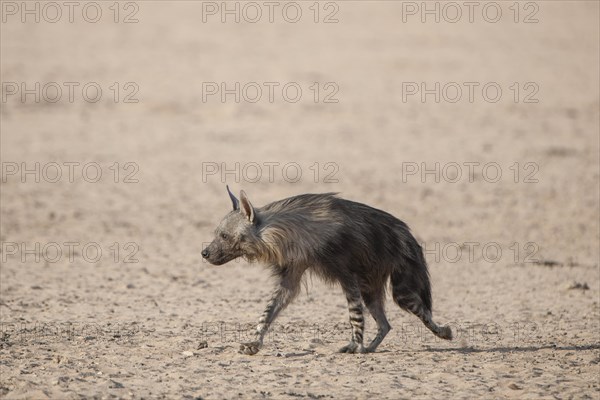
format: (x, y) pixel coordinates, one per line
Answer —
(236, 203)
(246, 207)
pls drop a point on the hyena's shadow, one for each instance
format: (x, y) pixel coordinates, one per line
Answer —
(511, 349)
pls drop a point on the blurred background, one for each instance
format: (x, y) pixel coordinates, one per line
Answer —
(122, 122)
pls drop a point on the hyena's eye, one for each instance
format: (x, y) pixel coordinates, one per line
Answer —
(224, 236)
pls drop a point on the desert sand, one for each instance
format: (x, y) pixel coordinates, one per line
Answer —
(120, 129)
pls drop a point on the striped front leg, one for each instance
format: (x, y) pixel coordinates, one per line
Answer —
(356, 320)
(286, 291)
(271, 311)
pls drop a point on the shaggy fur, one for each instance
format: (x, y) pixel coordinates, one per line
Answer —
(341, 241)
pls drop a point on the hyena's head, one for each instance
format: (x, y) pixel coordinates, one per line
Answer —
(237, 235)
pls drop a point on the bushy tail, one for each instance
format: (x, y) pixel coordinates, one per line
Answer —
(411, 290)
(443, 332)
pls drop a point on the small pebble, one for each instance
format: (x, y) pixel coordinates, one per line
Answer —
(202, 345)
(577, 285)
(514, 386)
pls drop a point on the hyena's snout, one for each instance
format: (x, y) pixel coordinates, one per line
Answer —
(205, 253)
(209, 253)
(216, 254)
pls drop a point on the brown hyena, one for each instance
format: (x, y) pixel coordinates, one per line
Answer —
(343, 242)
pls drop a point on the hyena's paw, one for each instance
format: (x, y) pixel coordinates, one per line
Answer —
(352, 348)
(370, 349)
(250, 348)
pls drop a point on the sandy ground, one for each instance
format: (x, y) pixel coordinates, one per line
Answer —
(103, 291)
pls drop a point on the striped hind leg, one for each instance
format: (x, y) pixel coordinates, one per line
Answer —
(357, 321)
(375, 306)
